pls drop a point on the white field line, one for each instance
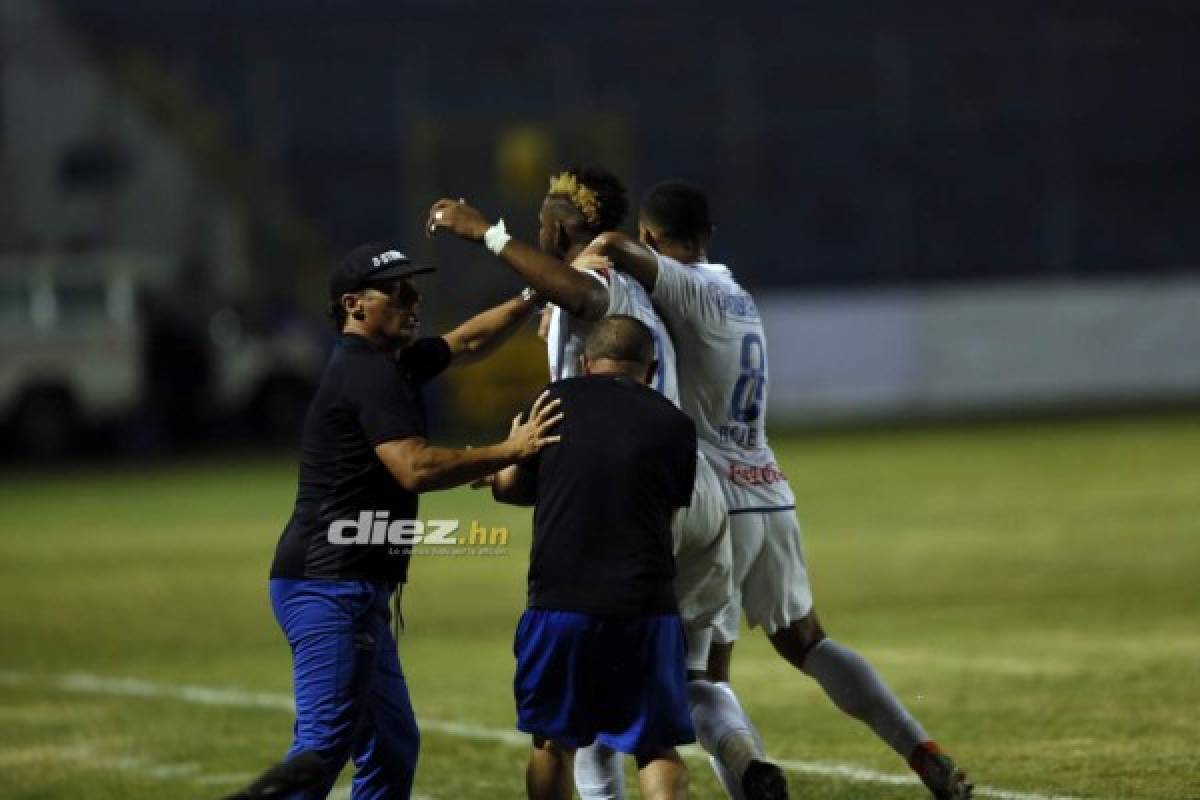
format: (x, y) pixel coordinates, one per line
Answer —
(236, 698)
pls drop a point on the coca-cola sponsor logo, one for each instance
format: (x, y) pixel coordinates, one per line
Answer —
(748, 475)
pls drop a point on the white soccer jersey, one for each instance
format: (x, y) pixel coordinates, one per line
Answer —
(722, 353)
(625, 296)
(703, 550)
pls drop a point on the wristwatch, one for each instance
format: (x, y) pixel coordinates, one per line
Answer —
(530, 295)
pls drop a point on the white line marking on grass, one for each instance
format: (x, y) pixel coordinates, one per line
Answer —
(238, 698)
(223, 778)
(201, 695)
(140, 766)
(152, 770)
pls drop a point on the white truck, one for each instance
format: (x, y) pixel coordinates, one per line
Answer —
(70, 348)
(75, 357)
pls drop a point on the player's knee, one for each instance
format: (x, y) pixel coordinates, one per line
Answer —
(551, 747)
(719, 657)
(797, 639)
(657, 756)
(698, 693)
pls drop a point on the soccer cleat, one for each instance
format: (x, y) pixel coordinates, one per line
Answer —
(763, 780)
(939, 773)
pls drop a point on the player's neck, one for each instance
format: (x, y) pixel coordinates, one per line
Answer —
(685, 255)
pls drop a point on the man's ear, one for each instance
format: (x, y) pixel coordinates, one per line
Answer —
(650, 370)
(647, 236)
(352, 305)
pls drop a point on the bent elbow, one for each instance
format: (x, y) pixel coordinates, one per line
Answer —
(412, 478)
(411, 483)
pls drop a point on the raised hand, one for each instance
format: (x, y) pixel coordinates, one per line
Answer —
(458, 218)
(590, 261)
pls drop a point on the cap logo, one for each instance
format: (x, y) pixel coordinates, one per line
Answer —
(387, 257)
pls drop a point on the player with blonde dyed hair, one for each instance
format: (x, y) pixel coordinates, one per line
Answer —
(581, 204)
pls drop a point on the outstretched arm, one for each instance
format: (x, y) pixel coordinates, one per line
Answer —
(420, 467)
(515, 485)
(483, 333)
(574, 292)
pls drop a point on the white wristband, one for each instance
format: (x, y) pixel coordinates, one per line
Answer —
(495, 237)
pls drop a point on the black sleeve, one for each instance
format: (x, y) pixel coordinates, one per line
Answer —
(426, 358)
(687, 467)
(383, 400)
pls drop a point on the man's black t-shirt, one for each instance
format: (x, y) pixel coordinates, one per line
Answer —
(366, 397)
(602, 539)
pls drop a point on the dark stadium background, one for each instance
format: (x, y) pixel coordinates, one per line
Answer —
(846, 144)
(973, 232)
(848, 147)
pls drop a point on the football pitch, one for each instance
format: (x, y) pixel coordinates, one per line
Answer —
(1030, 590)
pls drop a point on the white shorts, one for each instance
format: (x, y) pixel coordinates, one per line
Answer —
(769, 575)
(703, 562)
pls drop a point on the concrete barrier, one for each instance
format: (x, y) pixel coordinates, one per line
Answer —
(1013, 347)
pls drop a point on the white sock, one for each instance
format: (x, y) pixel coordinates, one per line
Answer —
(857, 689)
(724, 730)
(599, 773)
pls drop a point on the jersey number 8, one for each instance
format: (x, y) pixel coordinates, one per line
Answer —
(747, 401)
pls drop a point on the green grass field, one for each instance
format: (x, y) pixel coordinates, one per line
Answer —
(1032, 591)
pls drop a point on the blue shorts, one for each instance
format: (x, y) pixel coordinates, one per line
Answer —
(622, 682)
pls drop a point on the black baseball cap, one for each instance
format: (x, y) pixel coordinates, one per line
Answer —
(371, 263)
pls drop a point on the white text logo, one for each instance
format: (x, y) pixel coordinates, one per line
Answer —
(387, 258)
(375, 528)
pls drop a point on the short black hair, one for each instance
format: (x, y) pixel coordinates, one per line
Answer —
(620, 338)
(679, 210)
(597, 194)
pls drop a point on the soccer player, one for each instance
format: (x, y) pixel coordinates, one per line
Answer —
(365, 458)
(581, 204)
(600, 648)
(722, 351)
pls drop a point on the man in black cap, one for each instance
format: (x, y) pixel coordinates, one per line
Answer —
(365, 458)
